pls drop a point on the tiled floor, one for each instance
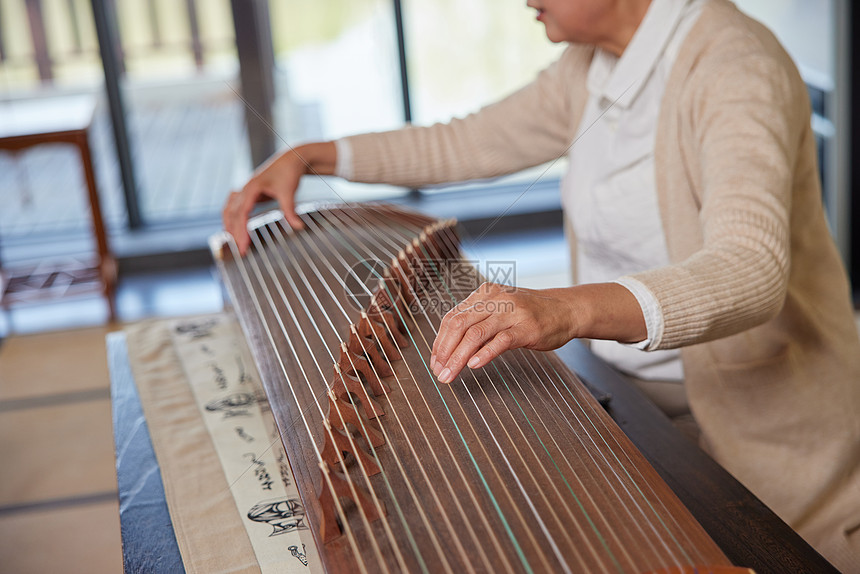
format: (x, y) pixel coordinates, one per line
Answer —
(58, 492)
(58, 505)
(74, 538)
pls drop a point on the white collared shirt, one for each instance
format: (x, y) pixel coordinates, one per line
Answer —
(609, 192)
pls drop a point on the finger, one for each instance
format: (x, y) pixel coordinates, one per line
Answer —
(247, 200)
(454, 324)
(288, 207)
(451, 329)
(227, 214)
(231, 220)
(474, 338)
(503, 341)
(467, 305)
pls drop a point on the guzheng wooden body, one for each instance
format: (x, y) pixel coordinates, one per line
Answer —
(513, 467)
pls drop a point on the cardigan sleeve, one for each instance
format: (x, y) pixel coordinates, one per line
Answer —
(529, 127)
(748, 113)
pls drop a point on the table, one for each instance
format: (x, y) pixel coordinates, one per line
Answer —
(148, 542)
(747, 531)
(64, 120)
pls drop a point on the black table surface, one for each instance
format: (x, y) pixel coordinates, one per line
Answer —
(148, 542)
(747, 531)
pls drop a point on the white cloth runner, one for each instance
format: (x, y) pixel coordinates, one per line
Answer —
(227, 399)
(237, 415)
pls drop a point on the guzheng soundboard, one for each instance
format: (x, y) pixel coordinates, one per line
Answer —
(513, 467)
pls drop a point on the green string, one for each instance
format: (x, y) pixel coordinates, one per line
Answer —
(483, 479)
(624, 468)
(546, 450)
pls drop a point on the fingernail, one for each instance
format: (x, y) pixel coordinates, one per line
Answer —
(474, 362)
(445, 376)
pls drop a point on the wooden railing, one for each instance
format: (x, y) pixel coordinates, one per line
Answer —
(59, 32)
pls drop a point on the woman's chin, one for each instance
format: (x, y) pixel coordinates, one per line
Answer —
(553, 33)
(555, 37)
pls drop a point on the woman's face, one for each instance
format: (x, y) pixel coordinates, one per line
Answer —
(600, 22)
(579, 21)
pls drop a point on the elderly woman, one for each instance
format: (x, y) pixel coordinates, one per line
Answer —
(705, 268)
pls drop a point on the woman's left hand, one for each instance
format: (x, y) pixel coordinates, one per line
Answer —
(496, 318)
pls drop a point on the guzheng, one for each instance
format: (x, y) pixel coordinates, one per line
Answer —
(513, 467)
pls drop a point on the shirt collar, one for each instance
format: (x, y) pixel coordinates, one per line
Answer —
(620, 80)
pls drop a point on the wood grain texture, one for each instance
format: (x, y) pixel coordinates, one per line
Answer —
(747, 530)
(513, 467)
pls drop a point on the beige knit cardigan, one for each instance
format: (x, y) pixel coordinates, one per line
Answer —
(755, 293)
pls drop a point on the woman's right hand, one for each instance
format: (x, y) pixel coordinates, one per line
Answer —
(278, 178)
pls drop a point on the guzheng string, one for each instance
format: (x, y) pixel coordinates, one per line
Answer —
(516, 380)
(337, 276)
(601, 451)
(516, 543)
(478, 545)
(603, 438)
(326, 478)
(307, 256)
(288, 275)
(370, 231)
(262, 252)
(499, 418)
(427, 344)
(562, 529)
(504, 427)
(530, 361)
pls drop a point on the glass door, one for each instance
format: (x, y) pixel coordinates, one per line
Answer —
(336, 73)
(464, 54)
(179, 77)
